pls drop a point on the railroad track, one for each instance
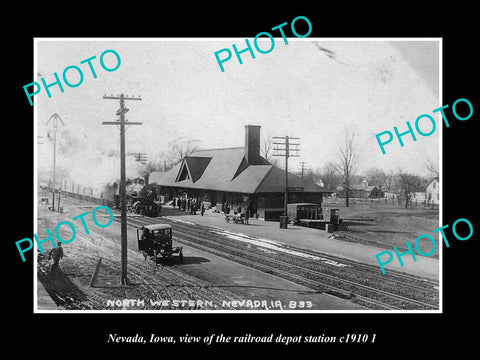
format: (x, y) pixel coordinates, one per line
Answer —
(373, 272)
(312, 274)
(360, 293)
(370, 271)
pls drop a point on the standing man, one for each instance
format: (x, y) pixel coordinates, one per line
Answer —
(193, 208)
(56, 254)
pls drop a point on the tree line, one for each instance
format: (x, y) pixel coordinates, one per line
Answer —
(344, 172)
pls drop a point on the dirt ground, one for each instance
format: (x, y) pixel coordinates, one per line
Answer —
(386, 226)
(69, 286)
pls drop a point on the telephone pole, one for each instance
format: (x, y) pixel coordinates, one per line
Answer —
(302, 164)
(123, 209)
(55, 118)
(283, 149)
(140, 157)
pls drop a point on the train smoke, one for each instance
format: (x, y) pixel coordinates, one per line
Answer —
(80, 162)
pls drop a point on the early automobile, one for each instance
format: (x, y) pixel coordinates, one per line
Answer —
(156, 241)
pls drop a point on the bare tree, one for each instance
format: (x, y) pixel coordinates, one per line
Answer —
(183, 147)
(408, 183)
(329, 176)
(376, 176)
(266, 150)
(177, 150)
(347, 163)
(389, 180)
(432, 167)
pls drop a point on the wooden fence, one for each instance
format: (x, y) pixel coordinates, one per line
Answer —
(390, 201)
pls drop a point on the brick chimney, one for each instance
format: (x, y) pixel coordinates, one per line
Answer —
(252, 144)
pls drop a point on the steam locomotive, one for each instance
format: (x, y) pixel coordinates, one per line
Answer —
(142, 200)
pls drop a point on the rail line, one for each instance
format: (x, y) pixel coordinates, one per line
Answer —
(370, 271)
(201, 238)
(331, 284)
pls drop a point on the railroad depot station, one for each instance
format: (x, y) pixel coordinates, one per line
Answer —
(238, 176)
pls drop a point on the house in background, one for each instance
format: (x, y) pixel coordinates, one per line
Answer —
(372, 191)
(362, 191)
(432, 191)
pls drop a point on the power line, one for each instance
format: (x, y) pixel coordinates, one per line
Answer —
(122, 122)
(303, 168)
(140, 157)
(284, 149)
(55, 117)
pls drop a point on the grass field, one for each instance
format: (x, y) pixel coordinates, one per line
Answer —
(386, 225)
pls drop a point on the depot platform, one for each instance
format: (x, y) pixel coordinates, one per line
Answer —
(309, 239)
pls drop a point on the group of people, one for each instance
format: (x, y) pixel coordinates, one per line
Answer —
(189, 204)
(227, 207)
(245, 212)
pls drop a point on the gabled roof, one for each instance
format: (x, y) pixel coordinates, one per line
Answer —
(431, 180)
(196, 166)
(274, 181)
(228, 170)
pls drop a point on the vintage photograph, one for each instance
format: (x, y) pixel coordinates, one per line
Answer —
(169, 179)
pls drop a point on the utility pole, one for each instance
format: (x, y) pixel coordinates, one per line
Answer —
(140, 157)
(55, 118)
(302, 164)
(123, 208)
(59, 196)
(283, 149)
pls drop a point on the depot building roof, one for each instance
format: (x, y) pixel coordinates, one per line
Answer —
(238, 169)
(228, 170)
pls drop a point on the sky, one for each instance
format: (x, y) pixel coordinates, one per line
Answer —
(313, 88)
